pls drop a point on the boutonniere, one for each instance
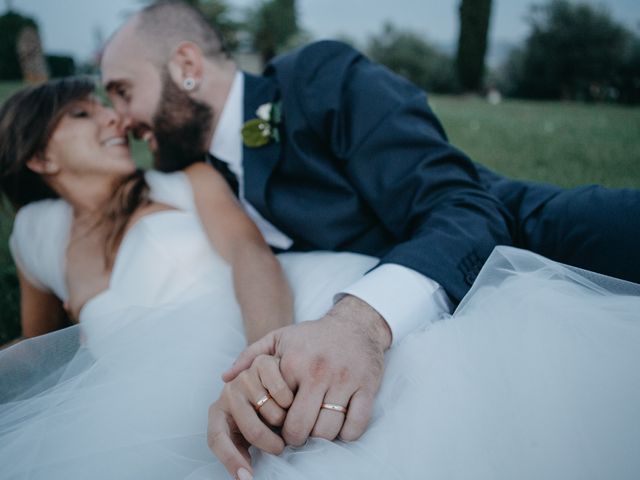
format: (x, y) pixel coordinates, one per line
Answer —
(258, 132)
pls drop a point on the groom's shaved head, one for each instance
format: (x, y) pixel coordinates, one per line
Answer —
(144, 66)
(161, 26)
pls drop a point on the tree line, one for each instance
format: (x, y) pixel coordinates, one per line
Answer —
(573, 50)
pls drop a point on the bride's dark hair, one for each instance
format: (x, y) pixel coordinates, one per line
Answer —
(27, 122)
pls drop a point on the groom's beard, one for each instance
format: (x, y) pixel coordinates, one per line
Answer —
(181, 129)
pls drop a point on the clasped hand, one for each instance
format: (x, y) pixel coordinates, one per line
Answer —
(337, 360)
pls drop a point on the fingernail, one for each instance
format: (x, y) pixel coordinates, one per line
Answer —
(243, 474)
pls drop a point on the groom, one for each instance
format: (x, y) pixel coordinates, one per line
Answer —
(337, 153)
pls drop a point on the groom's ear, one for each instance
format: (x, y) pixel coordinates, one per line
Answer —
(186, 62)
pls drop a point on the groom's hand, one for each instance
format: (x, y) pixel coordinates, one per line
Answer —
(336, 360)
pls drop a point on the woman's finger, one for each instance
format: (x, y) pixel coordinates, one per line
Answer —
(271, 377)
(227, 445)
(252, 427)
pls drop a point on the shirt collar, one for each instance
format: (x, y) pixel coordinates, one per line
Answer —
(226, 144)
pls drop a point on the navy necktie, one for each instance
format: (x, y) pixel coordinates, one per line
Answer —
(223, 168)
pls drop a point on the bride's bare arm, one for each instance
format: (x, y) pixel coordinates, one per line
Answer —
(40, 312)
(261, 288)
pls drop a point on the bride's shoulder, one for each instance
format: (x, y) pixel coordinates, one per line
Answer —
(35, 215)
(172, 189)
(38, 240)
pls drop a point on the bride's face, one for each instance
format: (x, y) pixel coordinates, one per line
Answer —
(90, 140)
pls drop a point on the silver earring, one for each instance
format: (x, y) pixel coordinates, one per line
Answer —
(189, 84)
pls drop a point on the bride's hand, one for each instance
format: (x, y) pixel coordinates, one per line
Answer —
(235, 418)
(334, 364)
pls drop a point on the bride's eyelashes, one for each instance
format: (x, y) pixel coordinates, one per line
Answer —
(81, 109)
(78, 113)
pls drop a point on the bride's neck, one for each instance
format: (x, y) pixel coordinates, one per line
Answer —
(88, 196)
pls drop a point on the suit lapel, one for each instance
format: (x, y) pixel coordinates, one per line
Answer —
(258, 163)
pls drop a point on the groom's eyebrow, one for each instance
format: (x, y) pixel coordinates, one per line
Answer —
(111, 85)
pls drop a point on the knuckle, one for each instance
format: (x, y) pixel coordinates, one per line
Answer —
(274, 448)
(323, 433)
(245, 379)
(226, 458)
(354, 429)
(288, 364)
(349, 435)
(280, 391)
(230, 393)
(213, 440)
(243, 375)
(295, 436)
(261, 361)
(318, 368)
(276, 418)
(254, 434)
(344, 376)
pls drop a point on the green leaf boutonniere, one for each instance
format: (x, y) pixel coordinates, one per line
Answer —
(258, 132)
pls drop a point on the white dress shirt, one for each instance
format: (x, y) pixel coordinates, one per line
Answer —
(406, 299)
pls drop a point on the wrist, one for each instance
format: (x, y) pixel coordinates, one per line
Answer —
(363, 317)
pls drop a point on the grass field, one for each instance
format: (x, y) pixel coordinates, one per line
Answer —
(564, 143)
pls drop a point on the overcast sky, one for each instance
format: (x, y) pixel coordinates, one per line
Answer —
(72, 26)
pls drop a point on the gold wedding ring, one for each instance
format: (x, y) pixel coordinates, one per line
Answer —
(262, 401)
(334, 407)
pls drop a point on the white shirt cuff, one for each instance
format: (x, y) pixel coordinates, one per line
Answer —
(406, 299)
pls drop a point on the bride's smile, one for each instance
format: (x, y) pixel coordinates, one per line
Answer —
(89, 140)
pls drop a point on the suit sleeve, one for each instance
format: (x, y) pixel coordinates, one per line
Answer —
(395, 153)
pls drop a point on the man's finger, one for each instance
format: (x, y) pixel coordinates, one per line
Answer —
(358, 415)
(233, 455)
(330, 421)
(303, 413)
(264, 346)
(273, 381)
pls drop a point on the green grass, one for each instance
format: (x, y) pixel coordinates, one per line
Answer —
(568, 144)
(564, 143)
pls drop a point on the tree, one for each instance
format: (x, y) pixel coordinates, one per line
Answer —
(61, 65)
(627, 75)
(574, 51)
(11, 24)
(411, 56)
(274, 27)
(472, 43)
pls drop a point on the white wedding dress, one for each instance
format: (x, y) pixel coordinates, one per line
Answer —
(536, 375)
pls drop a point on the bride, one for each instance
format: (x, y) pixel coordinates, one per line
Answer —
(534, 376)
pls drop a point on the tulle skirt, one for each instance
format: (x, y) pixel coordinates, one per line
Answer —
(536, 375)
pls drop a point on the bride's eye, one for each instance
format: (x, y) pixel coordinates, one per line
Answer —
(78, 113)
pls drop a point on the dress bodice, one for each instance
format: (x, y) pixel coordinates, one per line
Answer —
(164, 257)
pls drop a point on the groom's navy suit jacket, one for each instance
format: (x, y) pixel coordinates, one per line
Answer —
(363, 165)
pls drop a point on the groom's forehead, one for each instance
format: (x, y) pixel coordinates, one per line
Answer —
(124, 46)
(121, 59)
